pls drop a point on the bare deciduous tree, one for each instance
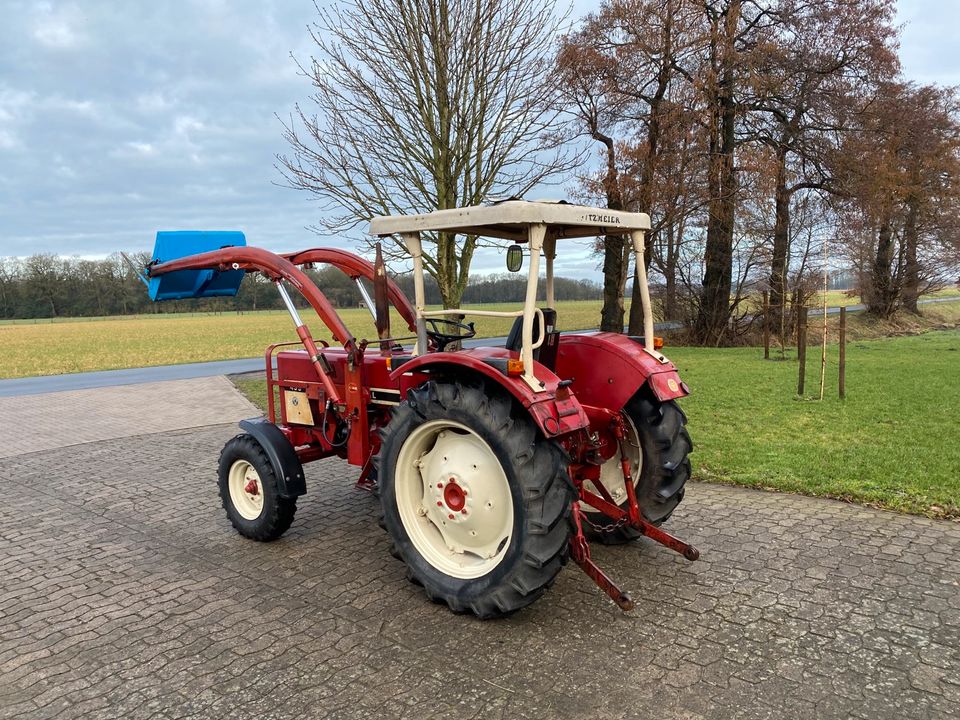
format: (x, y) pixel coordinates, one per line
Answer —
(902, 168)
(615, 72)
(583, 74)
(812, 78)
(423, 105)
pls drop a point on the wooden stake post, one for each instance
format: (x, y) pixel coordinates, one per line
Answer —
(766, 325)
(802, 348)
(843, 353)
(823, 344)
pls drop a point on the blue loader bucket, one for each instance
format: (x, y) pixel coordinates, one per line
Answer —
(173, 245)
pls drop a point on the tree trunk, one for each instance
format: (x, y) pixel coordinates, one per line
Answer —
(714, 311)
(718, 256)
(911, 279)
(446, 275)
(670, 310)
(635, 324)
(781, 243)
(614, 272)
(649, 167)
(611, 315)
(883, 291)
(53, 307)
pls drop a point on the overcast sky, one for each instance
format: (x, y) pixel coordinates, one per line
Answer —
(121, 118)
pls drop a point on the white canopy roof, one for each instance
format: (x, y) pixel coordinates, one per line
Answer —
(512, 218)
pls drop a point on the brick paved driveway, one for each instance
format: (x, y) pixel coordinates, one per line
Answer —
(124, 593)
(59, 419)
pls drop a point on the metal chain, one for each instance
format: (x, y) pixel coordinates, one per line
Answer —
(605, 528)
(616, 525)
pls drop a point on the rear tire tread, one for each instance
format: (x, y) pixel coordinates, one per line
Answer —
(547, 503)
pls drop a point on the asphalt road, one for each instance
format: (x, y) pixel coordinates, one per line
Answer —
(129, 376)
(861, 307)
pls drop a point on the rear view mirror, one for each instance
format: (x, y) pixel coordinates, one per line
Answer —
(514, 257)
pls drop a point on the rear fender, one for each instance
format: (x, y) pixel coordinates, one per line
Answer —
(283, 458)
(609, 369)
(555, 417)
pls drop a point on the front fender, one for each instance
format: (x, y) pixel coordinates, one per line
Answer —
(282, 455)
(609, 369)
(554, 417)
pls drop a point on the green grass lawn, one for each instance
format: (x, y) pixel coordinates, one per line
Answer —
(892, 443)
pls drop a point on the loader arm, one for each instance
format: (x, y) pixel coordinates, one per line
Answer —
(355, 266)
(273, 266)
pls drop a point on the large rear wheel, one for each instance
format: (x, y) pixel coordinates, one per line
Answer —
(658, 447)
(476, 501)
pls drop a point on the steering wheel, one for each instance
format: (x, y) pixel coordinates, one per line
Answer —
(442, 339)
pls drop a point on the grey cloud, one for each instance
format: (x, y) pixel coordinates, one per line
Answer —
(121, 118)
(118, 119)
(929, 40)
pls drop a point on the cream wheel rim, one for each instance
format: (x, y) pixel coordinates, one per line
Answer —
(246, 490)
(611, 473)
(454, 499)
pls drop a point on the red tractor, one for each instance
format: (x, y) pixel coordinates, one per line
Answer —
(493, 464)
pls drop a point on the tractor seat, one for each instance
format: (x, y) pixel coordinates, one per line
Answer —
(546, 354)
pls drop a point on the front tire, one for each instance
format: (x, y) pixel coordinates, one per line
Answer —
(250, 492)
(658, 447)
(476, 501)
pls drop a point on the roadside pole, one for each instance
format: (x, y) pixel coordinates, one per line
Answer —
(823, 344)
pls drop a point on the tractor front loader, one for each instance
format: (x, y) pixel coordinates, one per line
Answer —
(493, 464)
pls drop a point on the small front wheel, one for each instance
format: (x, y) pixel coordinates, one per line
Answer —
(250, 492)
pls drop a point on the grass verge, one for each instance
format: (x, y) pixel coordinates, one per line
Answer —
(253, 389)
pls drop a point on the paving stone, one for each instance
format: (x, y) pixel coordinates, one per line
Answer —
(124, 593)
(73, 417)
